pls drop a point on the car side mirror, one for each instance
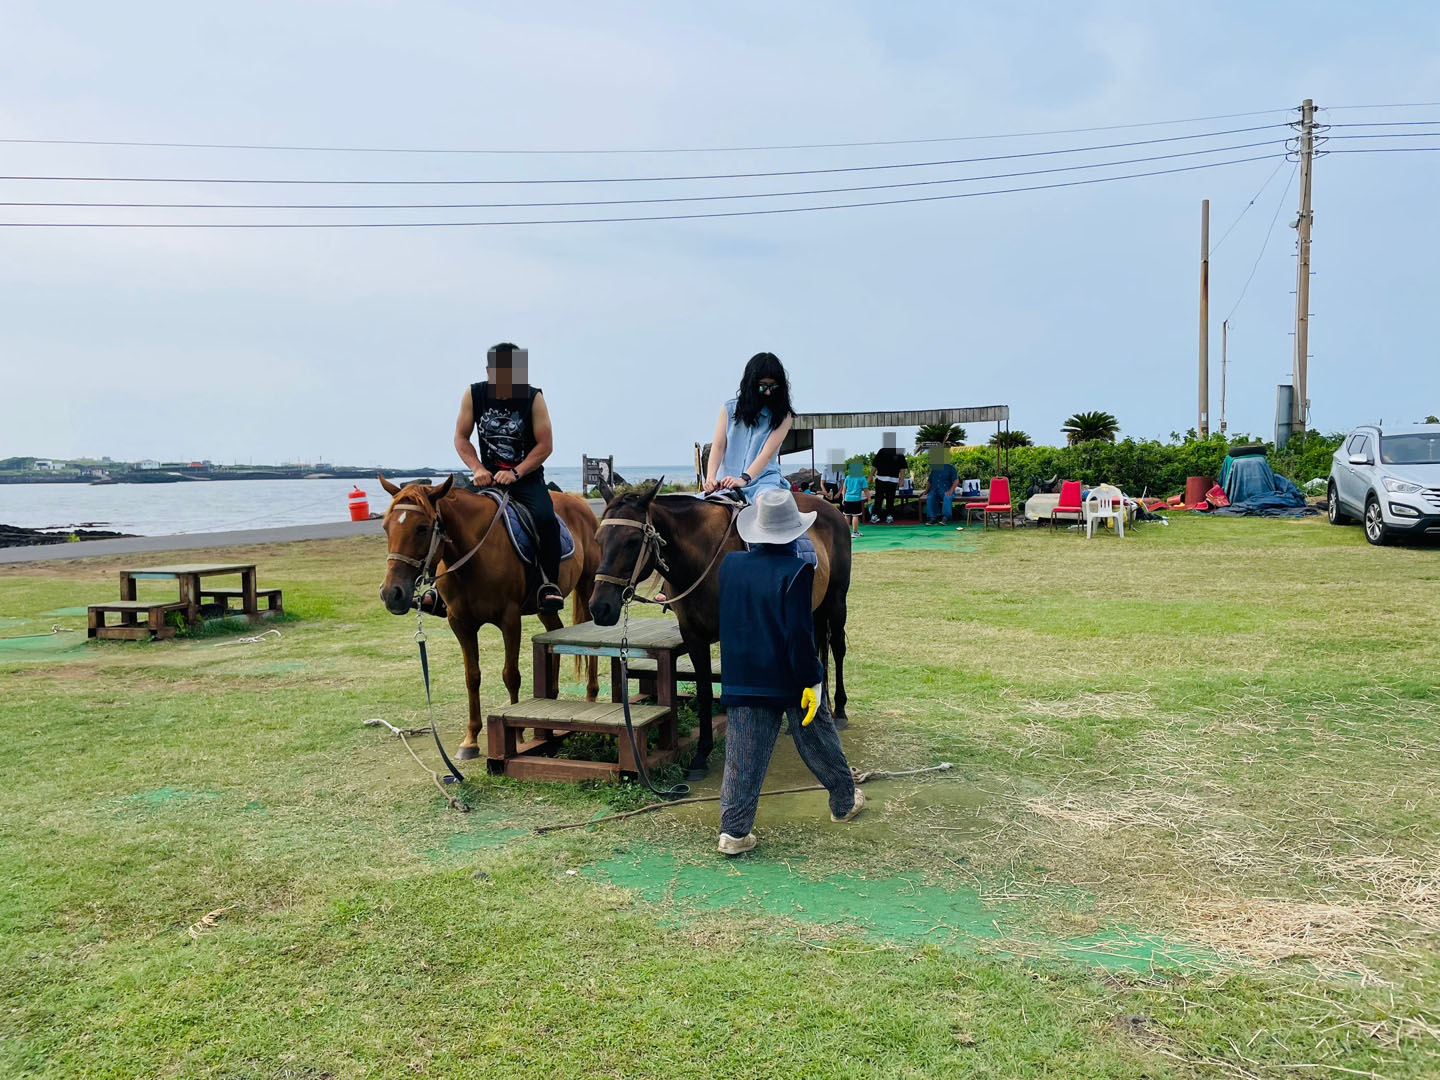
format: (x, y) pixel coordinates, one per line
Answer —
(1359, 459)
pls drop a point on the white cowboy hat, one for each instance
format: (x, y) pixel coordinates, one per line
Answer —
(773, 518)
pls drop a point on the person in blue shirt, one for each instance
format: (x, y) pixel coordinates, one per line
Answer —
(944, 479)
(856, 491)
(770, 670)
(752, 426)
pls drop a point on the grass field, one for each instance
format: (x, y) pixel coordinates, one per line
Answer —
(1191, 830)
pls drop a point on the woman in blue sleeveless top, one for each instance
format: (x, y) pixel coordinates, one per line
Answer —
(752, 425)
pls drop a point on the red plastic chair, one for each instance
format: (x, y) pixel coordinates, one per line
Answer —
(999, 502)
(1069, 505)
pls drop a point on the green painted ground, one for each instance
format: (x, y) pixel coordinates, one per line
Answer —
(1190, 832)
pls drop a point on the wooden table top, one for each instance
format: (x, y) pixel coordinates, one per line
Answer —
(190, 568)
(644, 633)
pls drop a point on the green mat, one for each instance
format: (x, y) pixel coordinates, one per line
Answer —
(68, 646)
(913, 538)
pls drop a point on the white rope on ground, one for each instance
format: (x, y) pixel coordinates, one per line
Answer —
(55, 628)
(860, 778)
(454, 803)
(249, 640)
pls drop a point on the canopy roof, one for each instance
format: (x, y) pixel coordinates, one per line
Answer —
(981, 414)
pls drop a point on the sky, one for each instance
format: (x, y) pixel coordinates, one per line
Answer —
(353, 346)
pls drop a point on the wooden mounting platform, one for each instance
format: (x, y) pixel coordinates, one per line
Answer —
(552, 719)
(130, 611)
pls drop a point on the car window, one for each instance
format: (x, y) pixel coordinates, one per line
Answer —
(1363, 447)
(1354, 445)
(1419, 449)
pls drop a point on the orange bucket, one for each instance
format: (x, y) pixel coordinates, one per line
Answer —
(359, 506)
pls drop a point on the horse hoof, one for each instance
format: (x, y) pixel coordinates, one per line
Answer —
(699, 773)
(841, 721)
(468, 753)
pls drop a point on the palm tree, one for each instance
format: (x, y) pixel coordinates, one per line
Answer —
(1008, 440)
(1090, 427)
(944, 434)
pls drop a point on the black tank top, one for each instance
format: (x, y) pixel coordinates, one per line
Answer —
(505, 425)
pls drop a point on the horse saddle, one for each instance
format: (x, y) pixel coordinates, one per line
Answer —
(522, 530)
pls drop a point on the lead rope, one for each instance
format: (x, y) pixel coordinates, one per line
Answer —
(678, 791)
(455, 776)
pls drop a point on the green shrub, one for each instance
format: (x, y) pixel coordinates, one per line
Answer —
(1140, 465)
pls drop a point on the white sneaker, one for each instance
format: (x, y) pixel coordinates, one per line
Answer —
(889, 520)
(731, 845)
(859, 805)
(874, 519)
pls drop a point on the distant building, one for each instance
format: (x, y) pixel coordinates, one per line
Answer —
(147, 463)
(47, 465)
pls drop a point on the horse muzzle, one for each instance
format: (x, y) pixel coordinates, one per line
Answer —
(396, 599)
(605, 611)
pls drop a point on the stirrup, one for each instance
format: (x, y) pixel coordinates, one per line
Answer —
(549, 598)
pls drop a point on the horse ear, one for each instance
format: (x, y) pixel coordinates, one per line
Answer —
(436, 494)
(654, 490)
(387, 485)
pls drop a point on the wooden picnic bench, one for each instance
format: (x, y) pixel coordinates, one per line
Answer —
(192, 599)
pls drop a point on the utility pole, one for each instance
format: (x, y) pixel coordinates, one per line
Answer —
(1302, 280)
(1224, 360)
(1203, 427)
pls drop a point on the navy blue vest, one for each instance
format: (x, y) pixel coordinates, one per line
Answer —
(767, 631)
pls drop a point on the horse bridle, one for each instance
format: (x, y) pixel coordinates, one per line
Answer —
(426, 566)
(651, 543)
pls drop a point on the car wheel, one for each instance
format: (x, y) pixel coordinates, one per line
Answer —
(1376, 530)
(1333, 511)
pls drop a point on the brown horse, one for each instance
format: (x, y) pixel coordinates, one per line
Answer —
(488, 585)
(692, 536)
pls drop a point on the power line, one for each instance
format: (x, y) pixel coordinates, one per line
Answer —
(636, 150)
(608, 220)
(1392, 135)
(636, 202)
(1390, 123)
(1276, 172)
(1264, 244)
(1385, 150)
(1398, 105)
(653, 179)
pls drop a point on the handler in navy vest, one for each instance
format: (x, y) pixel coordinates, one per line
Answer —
(513, 425)
(769, 668)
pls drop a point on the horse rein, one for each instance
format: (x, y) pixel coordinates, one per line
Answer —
(650, 543)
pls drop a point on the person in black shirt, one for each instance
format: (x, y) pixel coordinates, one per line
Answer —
(889, 464)
(512, 423)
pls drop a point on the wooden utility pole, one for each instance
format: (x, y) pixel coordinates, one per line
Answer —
(1302, 279)
(1224, 359)
(1203, 427)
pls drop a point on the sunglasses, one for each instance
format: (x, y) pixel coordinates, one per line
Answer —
(768, 387)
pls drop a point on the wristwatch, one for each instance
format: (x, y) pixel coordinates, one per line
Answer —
(747, 478)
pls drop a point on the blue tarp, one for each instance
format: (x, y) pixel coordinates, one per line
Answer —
(1253, 489)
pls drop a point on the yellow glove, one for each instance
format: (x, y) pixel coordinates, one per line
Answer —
(809, 701)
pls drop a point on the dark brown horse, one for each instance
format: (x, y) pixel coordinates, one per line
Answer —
(488, 586)
(694, 536)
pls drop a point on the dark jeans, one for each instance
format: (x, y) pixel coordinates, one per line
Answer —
(884, 497)
(750, 734)
(534, 496)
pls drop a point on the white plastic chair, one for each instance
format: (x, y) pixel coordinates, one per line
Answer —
(1103, 503)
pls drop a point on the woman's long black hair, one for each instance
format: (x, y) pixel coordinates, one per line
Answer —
(749, 401)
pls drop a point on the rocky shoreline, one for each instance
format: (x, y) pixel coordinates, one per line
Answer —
(16, 536)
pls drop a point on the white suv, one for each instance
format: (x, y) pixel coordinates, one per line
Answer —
(1389, 479)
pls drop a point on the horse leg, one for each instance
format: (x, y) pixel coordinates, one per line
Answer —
(837, 646)
(510, 632)
(470, 649)
(700, 658)
(580, 613)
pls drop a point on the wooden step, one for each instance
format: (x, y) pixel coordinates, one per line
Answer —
(237, 592)
(140, 605)
(684, 668)
(558, 714)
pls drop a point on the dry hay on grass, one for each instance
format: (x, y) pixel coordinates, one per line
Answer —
(1116, 811)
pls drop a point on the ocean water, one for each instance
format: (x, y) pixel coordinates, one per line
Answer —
(221, 505)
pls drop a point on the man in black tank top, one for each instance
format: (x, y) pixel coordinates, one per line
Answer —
(512, 423)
